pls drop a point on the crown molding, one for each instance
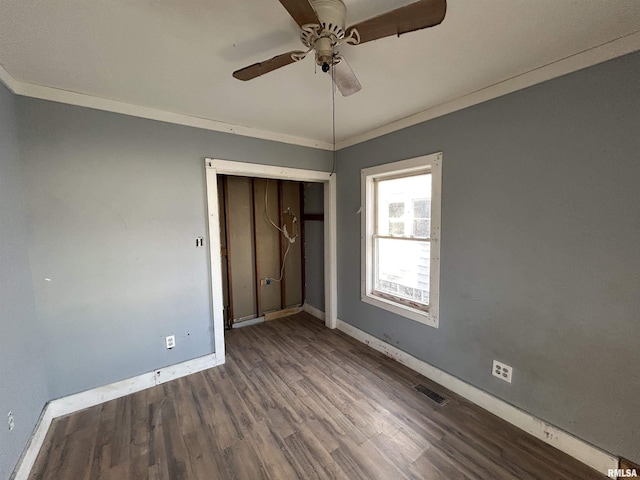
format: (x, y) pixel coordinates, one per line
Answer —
(587, 58)
(7, 79)
(83, 100)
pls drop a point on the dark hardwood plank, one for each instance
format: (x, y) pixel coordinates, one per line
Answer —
(295, 401)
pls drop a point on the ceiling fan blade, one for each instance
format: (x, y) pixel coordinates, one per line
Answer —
(415, 16)
(345, 79)
(301, 11)
(260, 68)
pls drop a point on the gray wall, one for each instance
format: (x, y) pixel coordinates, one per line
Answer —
(540, 249)
(116, 203)
(22, 383)
(314, 245)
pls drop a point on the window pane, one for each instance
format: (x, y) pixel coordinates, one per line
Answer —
(422, 208)
(400, 201)
(403, 268)
(396, 228)
(421, 228)
(396, 210)
(422, 217)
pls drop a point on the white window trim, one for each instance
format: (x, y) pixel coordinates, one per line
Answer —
(433, 163)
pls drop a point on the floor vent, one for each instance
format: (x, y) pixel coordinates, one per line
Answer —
(440, 400)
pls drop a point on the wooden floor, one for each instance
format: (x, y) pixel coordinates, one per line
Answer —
(295, 400)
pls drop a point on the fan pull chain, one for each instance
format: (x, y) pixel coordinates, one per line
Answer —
(333, 110)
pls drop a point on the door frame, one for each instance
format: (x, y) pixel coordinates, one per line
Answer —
(215, 167)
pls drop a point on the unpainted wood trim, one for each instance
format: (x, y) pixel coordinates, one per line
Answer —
(224, 253)
(282, 313)
(303, 249)
(228, 239)
(256, 241)
(283, 247)
(629, 465)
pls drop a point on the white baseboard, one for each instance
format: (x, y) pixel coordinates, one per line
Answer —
(316, 312)
(563, 441)
(30, 454)
(95, 396)
(183, 369)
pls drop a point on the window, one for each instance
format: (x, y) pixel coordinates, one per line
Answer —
(400, 235)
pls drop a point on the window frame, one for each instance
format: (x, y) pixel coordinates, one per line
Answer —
(424, 164)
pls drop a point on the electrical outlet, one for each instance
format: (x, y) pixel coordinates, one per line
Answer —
(502, 371)
(171, 341)
(265, 281)
(11, 421)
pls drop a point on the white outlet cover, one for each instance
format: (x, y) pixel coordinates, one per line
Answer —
(171, 341)
(10, 420)
(502, 371)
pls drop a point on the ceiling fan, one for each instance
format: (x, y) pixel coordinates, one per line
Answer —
(322, 28)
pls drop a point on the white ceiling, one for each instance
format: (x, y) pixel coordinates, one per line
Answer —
(178, 56)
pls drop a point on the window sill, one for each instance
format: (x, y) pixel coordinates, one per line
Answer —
(411, 313)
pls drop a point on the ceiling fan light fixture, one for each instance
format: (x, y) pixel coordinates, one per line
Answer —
(344, 78)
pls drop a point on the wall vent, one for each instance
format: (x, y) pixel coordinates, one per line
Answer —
(439, 399)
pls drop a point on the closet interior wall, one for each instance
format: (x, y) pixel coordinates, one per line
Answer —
(254, 211)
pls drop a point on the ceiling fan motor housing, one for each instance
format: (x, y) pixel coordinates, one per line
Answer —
(329, 33)
(331, 13)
